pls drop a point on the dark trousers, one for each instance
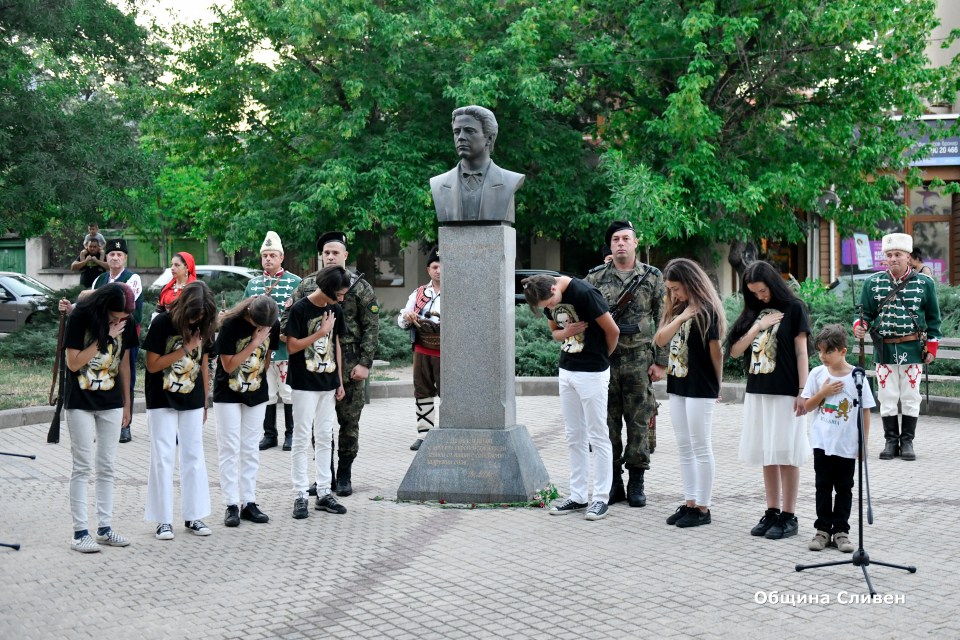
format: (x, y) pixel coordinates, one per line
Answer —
(834, 474)
(426, 376)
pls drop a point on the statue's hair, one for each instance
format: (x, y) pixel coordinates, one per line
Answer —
(488, 121)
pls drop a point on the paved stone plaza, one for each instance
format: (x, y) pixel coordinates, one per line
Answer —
(388, 570)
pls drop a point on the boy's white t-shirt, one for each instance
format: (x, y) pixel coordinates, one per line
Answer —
(834, 426)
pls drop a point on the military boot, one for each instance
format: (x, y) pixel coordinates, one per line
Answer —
(288, 427)
(269, 428)
(344, 487)
(907, 431)
(617, 494)
(891, 433)
(635, 495)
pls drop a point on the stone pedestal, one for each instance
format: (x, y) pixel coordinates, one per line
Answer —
(478, 453)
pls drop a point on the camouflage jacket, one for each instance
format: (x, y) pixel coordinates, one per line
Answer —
(280, 291)
(360, 312)
(645, 311)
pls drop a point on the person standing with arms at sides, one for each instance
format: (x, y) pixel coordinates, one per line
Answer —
(248, 334)
(637, 362)
(831, 395)
(91, 262)
(916, 262)
(116, 251)
(313, 341)
(279, 284)
(183, 268)
(771, 333)
(900, 308)
(422, 316)
(361, 316)
(580, 319)
(693, 321)
(177, 381)
(98, 404)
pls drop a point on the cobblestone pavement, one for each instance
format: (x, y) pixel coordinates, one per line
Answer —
(389, 570)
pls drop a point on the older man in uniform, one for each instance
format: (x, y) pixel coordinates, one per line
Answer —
(279, 284)
(636, 363)
(358, 348)
(900, 308)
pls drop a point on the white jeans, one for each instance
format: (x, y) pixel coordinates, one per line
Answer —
(316, 409)
(165, 427)
(899, 382)
(85, 427)
(277, 387)
(238, 443)
(583, 403)
(692, 419)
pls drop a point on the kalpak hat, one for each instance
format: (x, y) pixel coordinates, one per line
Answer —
(118, 244)
(331, 236)
(272, 243)
(434, 256)
(615, 226)
(897, 242)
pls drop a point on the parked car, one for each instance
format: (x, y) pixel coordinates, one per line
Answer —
(17, 291)
(211, 273)
(526, 273)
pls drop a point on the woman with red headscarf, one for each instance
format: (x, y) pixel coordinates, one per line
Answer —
(184, 270)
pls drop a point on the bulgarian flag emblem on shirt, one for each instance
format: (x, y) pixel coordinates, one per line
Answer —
(830, 408)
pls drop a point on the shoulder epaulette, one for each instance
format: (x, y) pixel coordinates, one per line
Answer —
(598, 268)
(652, 268)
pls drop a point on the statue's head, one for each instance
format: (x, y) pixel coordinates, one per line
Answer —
(474, 131)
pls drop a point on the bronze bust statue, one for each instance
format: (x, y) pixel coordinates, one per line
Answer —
(476, 190)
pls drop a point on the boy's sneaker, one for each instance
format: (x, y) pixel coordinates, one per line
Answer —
(312, 491)
(770, 518)
(112, 539)
(567, 506)
(164, 532)
(300, 508)
(197, 528)
(597, 511)
(785, 527)
(679, 513)
(329, 504)
(252, 513)
(85, 544)
(842, 540)
(820, 541)
(694, 518)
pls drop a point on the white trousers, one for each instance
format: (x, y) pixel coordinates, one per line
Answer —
(165, 427)
(316, 411)
(899, 382)
(692, 419)
(238, 443)
(583, 403)
(277, 387)
(91, 430)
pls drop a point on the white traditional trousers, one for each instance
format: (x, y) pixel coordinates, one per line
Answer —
(316, 412)
(583, 403)
(899, 383)
(277, 387)
(165, 427)
(238, 443)
(93, 435)
(692, 419)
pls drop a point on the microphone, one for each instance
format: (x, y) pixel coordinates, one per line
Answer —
(859, 373)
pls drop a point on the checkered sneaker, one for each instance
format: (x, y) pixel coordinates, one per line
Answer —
(85, 544)
(112, 539)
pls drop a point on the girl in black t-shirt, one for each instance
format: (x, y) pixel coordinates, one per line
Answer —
(99, 335)
(692, 324)
(771, 334)
(176, 387)
(248, 334)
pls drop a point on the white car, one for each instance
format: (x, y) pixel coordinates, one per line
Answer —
(211, 273)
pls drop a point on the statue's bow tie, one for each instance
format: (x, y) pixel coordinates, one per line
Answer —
(468, 175)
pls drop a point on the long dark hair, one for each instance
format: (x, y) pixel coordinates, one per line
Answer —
(536, 289)
(96, 307)
(780, 297)
(195, 299)
(261, 309)
(331, 279)
(699, 290)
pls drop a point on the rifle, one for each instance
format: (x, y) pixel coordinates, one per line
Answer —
(628, 295)
(863, 356)
(59, 373)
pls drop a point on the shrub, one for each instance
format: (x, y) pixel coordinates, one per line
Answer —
(537, 353)
(394, 345)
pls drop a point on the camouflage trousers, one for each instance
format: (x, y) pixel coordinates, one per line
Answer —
(349, 408)
(631, 399)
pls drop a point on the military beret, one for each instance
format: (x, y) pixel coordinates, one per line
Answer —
(119, 244)
(615, 226)
(331, 236)
(434, 256)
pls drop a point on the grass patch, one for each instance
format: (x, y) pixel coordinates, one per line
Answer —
(26, 383)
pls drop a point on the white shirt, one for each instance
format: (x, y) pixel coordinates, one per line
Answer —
(834, 426)
(433, 305)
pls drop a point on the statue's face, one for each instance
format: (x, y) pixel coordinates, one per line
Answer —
(468, 137)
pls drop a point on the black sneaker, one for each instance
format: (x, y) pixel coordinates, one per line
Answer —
(300, 508)
(785, 527)
(416, 444)
(232, 517)
(197, 528)
(567, 506)
(694, 518)
(312, 491)
(768, 520)
(329, 504)
(253, 514)
(679, 513)
(125, 435)
(597, 511)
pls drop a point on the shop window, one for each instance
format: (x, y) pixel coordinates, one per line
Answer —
(925, 202)
(933, 238)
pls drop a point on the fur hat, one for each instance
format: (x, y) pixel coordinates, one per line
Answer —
(897, 242)
(117, 244)
(271, 243)
(434, 256)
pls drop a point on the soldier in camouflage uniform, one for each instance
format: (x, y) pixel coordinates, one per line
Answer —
(358, 347)
(635, 364)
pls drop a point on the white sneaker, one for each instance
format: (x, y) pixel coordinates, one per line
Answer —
(113, 539)
(85, 544)
(596, 511)
(197, 528)
(164, 532)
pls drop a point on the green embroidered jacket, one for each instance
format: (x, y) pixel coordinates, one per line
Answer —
(893, 321)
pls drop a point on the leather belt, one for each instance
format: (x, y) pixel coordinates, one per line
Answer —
(909, 338)
(629, 329)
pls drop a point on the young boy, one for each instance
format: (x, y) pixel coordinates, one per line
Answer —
(832, 393)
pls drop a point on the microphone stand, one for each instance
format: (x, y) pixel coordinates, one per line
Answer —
(860, 557)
